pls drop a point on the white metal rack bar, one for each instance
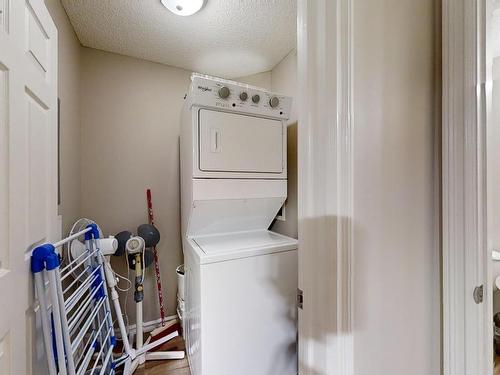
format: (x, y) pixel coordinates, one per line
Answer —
(79, 322)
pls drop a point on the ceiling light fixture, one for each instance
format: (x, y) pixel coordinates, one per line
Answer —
(183, 7)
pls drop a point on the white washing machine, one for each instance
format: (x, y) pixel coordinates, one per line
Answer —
(241, 278)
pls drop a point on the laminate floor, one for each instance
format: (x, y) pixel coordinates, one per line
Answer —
(172, 367)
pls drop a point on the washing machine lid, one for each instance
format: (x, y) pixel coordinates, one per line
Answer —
(243, 244)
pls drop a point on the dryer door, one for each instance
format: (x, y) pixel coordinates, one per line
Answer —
(231, 142)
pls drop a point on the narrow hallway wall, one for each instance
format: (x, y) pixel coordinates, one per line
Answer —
(396, 252)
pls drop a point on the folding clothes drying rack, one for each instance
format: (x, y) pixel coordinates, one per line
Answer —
(76, 316)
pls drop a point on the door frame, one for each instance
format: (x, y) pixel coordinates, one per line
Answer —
(325, 101)
(325, 185)
(467, 326)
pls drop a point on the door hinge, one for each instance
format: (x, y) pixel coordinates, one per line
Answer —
(300, 299)
(479, 294)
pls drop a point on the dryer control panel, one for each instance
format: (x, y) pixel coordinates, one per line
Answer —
(206, 91)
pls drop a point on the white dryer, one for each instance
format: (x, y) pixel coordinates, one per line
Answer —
(241, 278)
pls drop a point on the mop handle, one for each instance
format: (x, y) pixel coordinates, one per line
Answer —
(156, 259)
(150, 207)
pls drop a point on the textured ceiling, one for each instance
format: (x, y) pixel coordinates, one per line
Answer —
(228, 38)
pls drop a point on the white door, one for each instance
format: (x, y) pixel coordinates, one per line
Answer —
(238, 143)
(28, 170)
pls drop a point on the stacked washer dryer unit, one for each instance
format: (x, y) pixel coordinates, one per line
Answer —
(241, 278)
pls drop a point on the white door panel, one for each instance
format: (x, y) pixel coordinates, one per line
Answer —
(38, 122)
(38, 41)
(4, 17)
(28, 172)
(238, 143)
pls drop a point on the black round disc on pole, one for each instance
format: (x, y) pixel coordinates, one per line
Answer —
(149, 233)
(122, 239)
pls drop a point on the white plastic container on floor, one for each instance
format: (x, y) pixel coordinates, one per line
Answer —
(180, 282)
(180, 294)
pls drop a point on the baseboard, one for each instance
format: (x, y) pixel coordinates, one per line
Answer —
(147, 326)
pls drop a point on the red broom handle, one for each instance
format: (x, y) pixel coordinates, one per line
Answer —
(156, 259)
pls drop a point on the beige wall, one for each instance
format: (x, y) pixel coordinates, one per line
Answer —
(284, 81)
(130, 112)
(260, 80)
(133, 107)
(396, 253)
(69, 94)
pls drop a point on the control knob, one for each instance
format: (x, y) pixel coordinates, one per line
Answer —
(243, 96)
(274, 101)
(224, 92)
(256, 98)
